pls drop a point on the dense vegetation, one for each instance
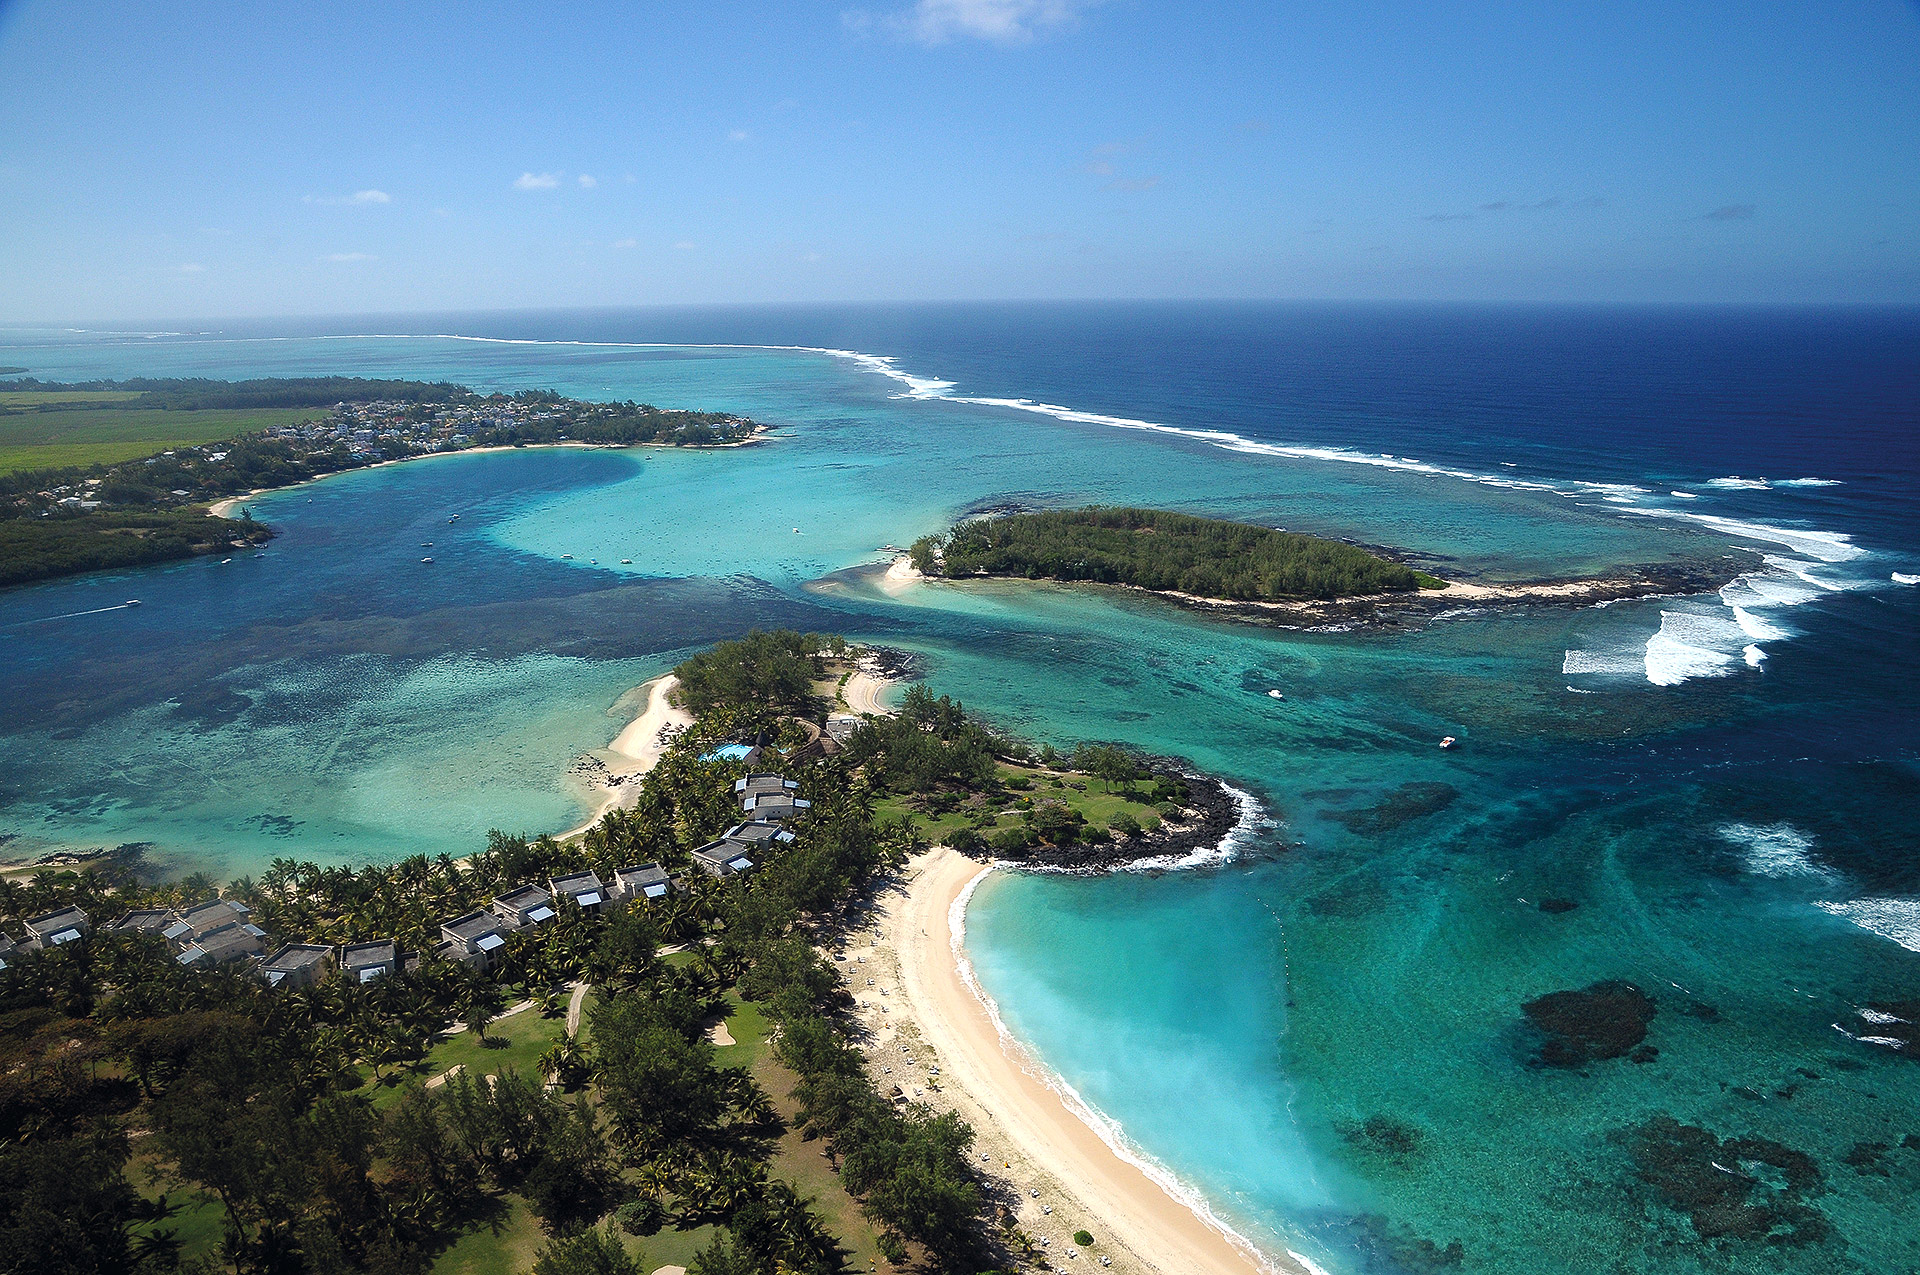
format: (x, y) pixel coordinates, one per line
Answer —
(42, 548)
(1169, 552)
(298, 1121)
(95, 472)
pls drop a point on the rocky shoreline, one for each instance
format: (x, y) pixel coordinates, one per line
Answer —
(1208, 817)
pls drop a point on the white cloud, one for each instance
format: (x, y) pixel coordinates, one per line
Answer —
(587, 182)
(685, 245)
(192, 267)
(626, 243)
(999, 21)
(357, 197)
(351, 256)
(536, 181)
(737, 135)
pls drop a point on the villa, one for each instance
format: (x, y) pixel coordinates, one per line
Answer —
(583, 889)
(208, 917)
(364, 962)
(144, 921)
(229, 942)
(646, 881)
(722, 859)
(472, 938)
(50, 929)
(840, 727)
(756, 834)
(774, 808)
(297, 965)
(762, 783)
(528, 905)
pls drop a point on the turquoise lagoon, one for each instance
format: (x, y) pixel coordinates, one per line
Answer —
(1322, 1037)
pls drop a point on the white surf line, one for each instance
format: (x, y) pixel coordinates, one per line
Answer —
(1103, 1126)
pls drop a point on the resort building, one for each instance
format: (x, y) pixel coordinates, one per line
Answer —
(50, 929)
(722, 859)
(528, 905)
(8, 950)
(297, 965)
(215, 914)
(231, 942)
(775, 807)
(757, 835)
(760, 784)
(840, 727)
(647, 881)
(144, 921)
(472, 938)
(582, 889)
(364, 962)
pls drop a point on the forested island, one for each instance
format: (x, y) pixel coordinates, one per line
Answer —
(556, 1093)
(104, 474)
(1164, 552)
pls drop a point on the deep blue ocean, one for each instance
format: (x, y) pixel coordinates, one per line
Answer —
(1319, 1033)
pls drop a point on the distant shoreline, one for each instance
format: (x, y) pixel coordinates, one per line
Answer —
(224, 507)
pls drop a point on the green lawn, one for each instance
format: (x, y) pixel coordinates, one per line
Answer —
(10, 399)
(88, 436)
(527, 1034)
(748, 1027)
(200, 1225)
(1095, 804)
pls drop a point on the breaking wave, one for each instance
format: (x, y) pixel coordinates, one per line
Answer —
(1894, 919)
(1777, 850)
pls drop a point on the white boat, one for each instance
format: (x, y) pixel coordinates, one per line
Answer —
(1275, 695)
(566, 557)
(426, 559)
(1448, 741)
(626, 562)
(133, 602)
(225, 561)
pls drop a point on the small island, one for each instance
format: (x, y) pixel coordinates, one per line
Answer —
(109, 474)
(1166, 553)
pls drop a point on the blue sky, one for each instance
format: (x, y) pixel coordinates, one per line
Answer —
(207, 160)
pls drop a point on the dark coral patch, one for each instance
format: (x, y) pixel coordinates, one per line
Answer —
(1738, 1189)
(1403, 805)
(1605, 1020)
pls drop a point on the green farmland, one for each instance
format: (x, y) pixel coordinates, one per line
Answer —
(31, 438)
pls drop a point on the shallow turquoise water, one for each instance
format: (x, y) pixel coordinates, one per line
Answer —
(337, 699)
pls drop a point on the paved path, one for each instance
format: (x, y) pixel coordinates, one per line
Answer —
(573, 1009)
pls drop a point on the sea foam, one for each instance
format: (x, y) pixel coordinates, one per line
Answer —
(1777, 850)
(1895, 919)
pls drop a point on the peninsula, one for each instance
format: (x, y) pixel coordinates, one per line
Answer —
(701, 978)
(104, 474)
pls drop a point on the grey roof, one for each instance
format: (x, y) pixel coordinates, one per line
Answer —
(472, 926)
(296, 956)
(376, 952)
(525, 898)
(212, 915)
(756, 833)
(144, 920)
(7, 944)
(764, 781)
(223, 944)
(578, 883)
(772, 807)
(723, 853)
(56, 921)
(644, 874)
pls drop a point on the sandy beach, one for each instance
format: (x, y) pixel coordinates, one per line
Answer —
(863, 692)
(637, 747)
(924, 1013)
